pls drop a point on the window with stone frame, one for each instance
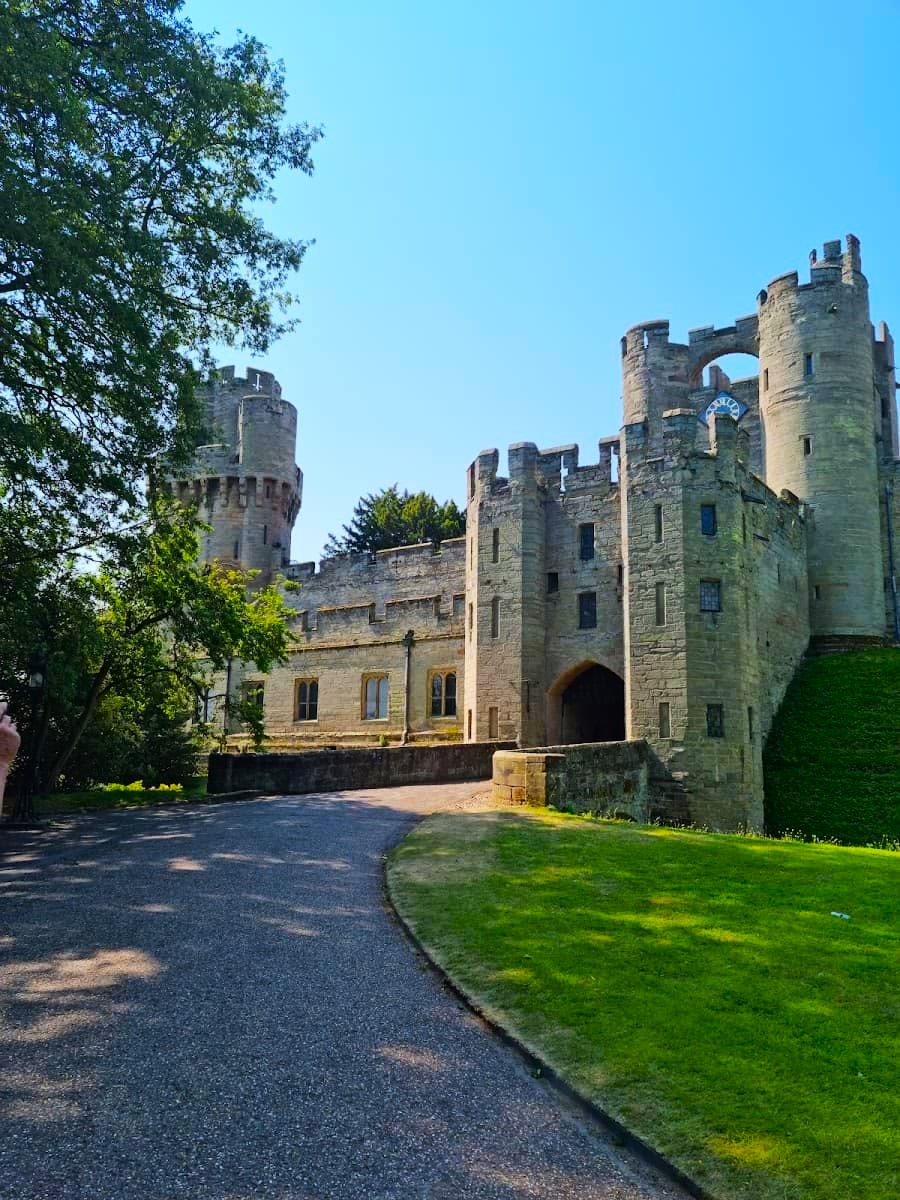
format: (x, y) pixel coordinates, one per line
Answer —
(586, 541)
(709, 525)
(255, 693)
(715, 721)
(665, 727)
(660, 604)
(375, 698)
(552, 581)
(495, 617)
(442, 692)
(495, 545)
(306, 700)
(587, 610)
(710, 595)
(658, 523)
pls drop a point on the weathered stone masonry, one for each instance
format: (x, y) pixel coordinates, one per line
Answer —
(663, 595)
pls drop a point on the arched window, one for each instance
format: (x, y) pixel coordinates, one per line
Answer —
(443, 694)
(307, 706)
(375, 706)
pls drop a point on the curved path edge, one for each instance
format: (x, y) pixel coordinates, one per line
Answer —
(533, 1061)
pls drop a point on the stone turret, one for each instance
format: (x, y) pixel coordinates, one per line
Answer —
(245, 481)
(816, 355)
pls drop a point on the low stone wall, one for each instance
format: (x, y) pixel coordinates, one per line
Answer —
(351, 769)
(612, 778)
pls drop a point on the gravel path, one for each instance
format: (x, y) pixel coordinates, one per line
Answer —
(212, 1002)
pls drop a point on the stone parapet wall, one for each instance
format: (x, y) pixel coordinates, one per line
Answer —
(350, 769)
(387, 576)
(610, 778)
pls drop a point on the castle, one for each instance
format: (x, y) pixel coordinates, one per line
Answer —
(663, 595)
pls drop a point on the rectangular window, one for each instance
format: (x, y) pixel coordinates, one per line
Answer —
(744, 525)
(750, 722)
(808, 364)
(375, 698)
(587, 610)
(817, 592)
(471, 618)
(255, 693)
(237, 549)
(709, 525)
(710, 595)
(495, 546)
(471, 481)
(493, 724)
(306, 707)
(443, 694)
(459, 608)
(766, 379)
(658, 523)
(268, 491)
(807, 446)
(586, 542)
(665, 729)
(469, 725)
(660, 604)
(778, 571)
(553, 581)
(715, 720)
(621, 574)
(495, 617)
(265, 534)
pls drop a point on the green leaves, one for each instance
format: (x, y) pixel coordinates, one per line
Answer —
(390, 518)
(134, 153)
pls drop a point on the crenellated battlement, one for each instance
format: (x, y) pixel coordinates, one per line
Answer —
(362, 622)
(836, 266)
(256, 381)
(451, 552)
(557, 468)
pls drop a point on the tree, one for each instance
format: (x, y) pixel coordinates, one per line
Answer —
(393, 518)
(137, 639)
(134, 153)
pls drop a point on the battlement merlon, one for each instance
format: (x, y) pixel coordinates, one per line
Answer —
(834, 267)
(450, 552)
(884, 347)
(256, 381)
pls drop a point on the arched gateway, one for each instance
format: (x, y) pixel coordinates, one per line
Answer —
(586, 704)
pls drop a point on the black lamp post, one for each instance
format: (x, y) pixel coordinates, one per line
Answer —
(23, 809)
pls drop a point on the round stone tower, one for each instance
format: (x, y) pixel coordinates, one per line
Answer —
(818, 416)
(655, 376)
(245, 482)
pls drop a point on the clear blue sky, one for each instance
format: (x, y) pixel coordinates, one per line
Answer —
(505, 187)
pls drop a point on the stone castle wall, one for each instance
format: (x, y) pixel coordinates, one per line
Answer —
(539, 634)
(351, 618)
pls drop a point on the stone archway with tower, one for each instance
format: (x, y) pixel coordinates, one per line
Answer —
(586, 703)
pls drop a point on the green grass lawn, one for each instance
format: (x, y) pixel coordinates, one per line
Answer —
(113, 797)
(833, 757)
(694, 985)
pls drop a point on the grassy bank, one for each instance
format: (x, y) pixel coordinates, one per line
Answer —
(833, 757)
(696, 986)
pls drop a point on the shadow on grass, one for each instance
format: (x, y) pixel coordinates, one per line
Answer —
(696, 986)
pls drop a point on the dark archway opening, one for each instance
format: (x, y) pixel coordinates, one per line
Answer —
(593, 707)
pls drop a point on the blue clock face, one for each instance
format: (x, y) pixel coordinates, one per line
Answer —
(723, 403)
